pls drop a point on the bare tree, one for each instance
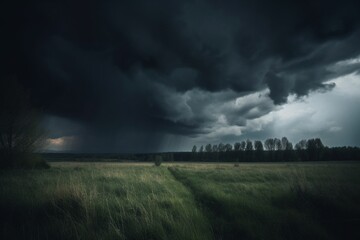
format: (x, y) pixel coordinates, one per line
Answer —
(20, 131)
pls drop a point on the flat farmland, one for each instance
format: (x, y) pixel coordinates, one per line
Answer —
(182, 201)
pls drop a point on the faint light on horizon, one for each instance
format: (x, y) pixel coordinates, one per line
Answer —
(59, 144)
(56, 141)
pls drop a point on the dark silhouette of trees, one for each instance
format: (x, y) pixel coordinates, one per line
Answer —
(314, 149)
(249, 150)
(289, 146)
(194, 149)
(221, 147)
(285, 144)
(194, 154)
(20, 131)
(242, 145)
(237, 146)
(301, 145)
(259, 150)
(249, 145)
(208, 148)
(277, 143)
(300, 148)
(201, 149)
(270, 144)
(258, 146)
(275, 149)
(215, 148)
(228, 147)
(287, 150)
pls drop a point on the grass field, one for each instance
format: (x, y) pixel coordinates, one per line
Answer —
(181, 201)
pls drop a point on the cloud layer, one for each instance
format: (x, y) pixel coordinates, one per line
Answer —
(129, 72)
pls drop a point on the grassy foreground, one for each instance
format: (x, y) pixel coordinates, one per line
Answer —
(278, 201)
(181, 201)
(98, 201)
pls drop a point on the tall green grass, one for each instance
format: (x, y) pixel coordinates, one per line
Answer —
(278, 201)
(186, 201)
(98, 201)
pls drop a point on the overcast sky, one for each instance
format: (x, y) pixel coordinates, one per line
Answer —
(145, 76)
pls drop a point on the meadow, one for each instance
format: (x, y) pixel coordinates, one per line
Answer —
(182, 201)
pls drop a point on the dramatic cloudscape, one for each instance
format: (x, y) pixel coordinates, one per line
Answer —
(146, 76)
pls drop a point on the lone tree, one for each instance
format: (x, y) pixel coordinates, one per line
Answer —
(158, 160)
(20, 131)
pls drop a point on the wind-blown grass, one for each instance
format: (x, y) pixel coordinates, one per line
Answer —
(278, 201)
(98, 201)
(183, 201)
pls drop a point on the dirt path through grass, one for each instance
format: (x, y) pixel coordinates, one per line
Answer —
(210, 207)
(98, 201)
(277, 201)
(185, 201)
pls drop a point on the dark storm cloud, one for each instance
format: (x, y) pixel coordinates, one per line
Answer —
(151, 67)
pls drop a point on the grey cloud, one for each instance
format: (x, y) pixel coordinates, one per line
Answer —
(205, 110)
(173, 67)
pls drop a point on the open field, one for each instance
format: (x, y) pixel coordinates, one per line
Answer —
(182, 201)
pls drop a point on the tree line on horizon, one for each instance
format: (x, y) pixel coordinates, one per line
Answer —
(273, 149)
(270, 144)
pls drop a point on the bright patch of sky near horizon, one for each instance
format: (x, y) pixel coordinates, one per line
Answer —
(328, 115)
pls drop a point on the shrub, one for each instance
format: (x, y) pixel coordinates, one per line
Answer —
(158, 160)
